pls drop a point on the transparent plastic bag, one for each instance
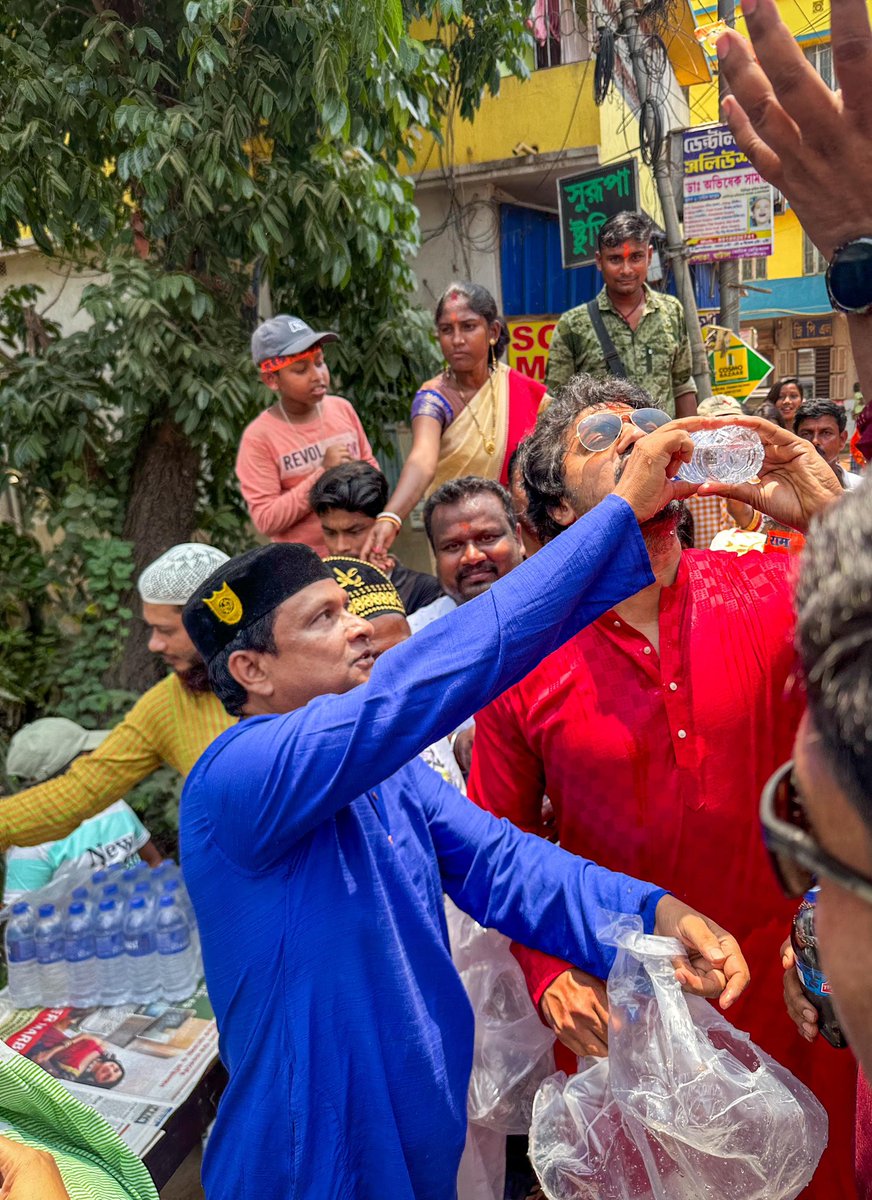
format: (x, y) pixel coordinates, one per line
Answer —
(684, 1106)
(513, 1049)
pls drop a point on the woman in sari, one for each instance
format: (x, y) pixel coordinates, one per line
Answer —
(468, 419)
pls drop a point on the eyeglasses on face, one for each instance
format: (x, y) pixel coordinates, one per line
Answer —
(600, 430)
(797, 857)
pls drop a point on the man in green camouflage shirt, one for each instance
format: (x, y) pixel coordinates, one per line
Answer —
(647, 327)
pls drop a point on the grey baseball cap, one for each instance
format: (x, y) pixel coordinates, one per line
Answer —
(42, 748)
(284, 335)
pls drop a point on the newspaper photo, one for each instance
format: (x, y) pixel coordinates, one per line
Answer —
(134, 1064)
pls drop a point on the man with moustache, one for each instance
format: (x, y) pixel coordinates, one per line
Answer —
(653, 730)
(172, 724)
(476, 540)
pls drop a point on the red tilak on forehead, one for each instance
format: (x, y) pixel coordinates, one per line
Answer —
(626, 250)
(455, 295)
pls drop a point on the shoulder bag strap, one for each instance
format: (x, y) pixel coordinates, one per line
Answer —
(613, 359)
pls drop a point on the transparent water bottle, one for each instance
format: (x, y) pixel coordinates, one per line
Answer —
(728, 454)
(21, 957)
(80, 952)
(178, 963)
(132, 876)
(176, 889)
(99, 878)
(112, 974)
(112, 891)
(49, 938)
(145, 892)
(82, 895)
(142, 961)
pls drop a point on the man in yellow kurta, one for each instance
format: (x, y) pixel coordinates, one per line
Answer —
(171, 724)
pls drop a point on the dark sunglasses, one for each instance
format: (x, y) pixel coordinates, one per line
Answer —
(601, 430)
(797, 858)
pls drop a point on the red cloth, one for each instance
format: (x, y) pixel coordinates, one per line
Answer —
(863, 1148)
(864, 428)
(654, 766)
(525, 396)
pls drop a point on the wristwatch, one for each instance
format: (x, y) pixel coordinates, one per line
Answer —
(849, 277)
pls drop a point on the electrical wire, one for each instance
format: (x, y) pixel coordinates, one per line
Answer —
(604, 70)
(650, 132)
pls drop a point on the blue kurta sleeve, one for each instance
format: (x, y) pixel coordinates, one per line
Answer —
(526, 887)
(271, 780)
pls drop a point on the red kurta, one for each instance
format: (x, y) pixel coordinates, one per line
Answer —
(654, 766)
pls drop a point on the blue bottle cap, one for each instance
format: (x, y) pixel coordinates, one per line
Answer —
(167, 902)
(110, 890)
(811, 895)
(171, 885)
(46, 910)
(21, 907)
(99, 877)
(107, 905)
(137, 902)
(80, 893)
(76, 908)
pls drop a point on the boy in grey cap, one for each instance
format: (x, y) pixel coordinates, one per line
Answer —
(303, 433)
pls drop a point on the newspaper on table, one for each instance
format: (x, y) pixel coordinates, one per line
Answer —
(134, 1064)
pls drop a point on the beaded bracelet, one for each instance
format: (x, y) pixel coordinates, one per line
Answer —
(392, 517)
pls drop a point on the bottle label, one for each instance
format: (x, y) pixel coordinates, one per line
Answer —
(21, 951)
(172, 941)
(80, 950)
(50, 952)
(813, 981)
(139, 944)
(110, 945)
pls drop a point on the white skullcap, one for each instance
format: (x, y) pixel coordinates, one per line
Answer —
(175, 576)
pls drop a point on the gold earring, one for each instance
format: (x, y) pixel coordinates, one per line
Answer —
(493, 341)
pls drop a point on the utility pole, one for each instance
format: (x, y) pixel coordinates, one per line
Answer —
(674, 238)
(728, 270)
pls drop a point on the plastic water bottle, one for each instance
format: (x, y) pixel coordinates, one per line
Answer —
(168, 869)
(178, 968)
(80, 952)
(728, 454)
(112, 971)
(132, 876)
(81, 895)
(21, 957)
(99, 878)
(145, 892)
(49, 938)
(142, 958)
(112, 891)
(815, 984)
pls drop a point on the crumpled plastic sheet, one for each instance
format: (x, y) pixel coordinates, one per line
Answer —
(684, 1107)
(513, 1048)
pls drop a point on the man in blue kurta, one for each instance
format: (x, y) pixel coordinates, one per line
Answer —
(317, 847)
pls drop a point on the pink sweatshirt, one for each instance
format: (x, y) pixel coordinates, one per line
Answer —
(278, 462)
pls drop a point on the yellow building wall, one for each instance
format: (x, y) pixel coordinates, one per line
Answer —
(538, 111)
(619, 132)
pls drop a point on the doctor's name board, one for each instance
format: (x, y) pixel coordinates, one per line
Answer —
(586, 201)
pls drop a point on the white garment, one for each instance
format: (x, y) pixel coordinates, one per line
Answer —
(851, 480)
(430, 612)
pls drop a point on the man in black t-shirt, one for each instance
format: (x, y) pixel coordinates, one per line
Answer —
(347, 499)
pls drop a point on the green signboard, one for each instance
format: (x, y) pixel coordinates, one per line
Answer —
(586, 201)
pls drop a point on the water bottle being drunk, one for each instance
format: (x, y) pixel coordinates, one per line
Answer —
(814, 983)
(728, 454)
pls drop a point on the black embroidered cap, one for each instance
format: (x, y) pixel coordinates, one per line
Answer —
(245, 589)
(370, 591)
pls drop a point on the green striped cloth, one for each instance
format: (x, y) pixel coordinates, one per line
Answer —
(37, 1110)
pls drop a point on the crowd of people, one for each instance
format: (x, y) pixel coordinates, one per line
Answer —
(361, 740)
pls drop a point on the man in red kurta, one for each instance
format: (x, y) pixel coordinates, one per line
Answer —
(652, 733)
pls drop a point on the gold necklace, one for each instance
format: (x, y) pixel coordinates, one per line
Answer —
(489, 443)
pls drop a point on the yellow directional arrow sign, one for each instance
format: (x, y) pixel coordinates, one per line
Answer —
(736, 368)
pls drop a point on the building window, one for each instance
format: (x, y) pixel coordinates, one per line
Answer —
(752, 268)
(813, 262)
(546, 30)
(821, 58)
(813, 371)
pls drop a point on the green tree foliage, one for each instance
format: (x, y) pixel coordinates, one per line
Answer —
(185, 156)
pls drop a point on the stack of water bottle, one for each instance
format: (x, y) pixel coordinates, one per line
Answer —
(124, 935)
